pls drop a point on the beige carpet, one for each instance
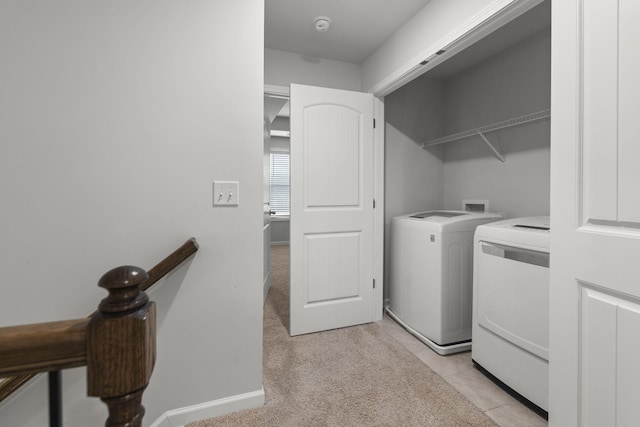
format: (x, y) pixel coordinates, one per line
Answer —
(357, 376)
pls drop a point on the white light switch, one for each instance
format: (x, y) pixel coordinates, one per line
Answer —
(226, 193)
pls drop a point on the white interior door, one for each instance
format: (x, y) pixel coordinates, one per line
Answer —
(332, 215)
(595, 214)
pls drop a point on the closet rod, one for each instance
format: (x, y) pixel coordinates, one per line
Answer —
(540, 115)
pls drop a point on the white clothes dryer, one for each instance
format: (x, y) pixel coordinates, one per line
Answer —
(511, 305)
(430, 289)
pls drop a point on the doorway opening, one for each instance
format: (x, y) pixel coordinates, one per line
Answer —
(276, 213)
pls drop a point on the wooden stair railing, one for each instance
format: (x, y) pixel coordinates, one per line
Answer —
(116, 343)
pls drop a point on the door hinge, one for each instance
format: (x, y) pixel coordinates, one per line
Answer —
(374, 203)
(374, 283)
(374, 123)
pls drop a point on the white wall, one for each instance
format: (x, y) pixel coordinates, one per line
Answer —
(281, 123)
(115, 118)
(280, 144)
(513, 83)
(413, 176)
(282, 68)
(280, 231)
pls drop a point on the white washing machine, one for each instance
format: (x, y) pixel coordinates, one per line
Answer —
(511, 305)
(430, 287)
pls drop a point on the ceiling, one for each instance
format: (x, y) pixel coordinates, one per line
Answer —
(358, 27)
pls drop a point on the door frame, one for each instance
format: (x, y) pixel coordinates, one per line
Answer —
(378, 192)
(266, 215)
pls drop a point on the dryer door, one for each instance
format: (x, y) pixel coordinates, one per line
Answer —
(513, 295)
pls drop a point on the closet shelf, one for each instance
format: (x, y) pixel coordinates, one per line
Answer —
(540, 115)
(280, 133)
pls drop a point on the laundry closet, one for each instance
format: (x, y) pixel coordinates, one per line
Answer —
(504, 76)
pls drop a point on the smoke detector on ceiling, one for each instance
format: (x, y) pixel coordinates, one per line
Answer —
(322, 23)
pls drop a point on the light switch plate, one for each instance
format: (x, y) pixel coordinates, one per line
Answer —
(226, 193)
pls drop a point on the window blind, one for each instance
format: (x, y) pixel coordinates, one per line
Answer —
(279, 198)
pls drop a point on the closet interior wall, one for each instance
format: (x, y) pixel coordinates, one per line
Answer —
(513, 83)
(413, 176)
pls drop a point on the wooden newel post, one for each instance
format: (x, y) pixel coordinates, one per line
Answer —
(121, 346)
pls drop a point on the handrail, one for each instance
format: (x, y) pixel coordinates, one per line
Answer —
(42, 347)
(29, 349)
(173, 260)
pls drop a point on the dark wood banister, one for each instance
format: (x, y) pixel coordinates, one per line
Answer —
(123, 326)
(165, 266)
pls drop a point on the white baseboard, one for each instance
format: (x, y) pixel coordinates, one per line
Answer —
(283, 243)
(180, 417)
(163, 421)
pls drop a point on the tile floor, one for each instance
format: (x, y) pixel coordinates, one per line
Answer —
(457, 370)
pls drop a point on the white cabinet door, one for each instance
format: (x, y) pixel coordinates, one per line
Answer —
(332, 178)
(595, 214)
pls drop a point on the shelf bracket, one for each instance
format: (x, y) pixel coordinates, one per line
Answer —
(497, 150)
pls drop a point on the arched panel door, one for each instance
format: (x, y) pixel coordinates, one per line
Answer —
(332, 214)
